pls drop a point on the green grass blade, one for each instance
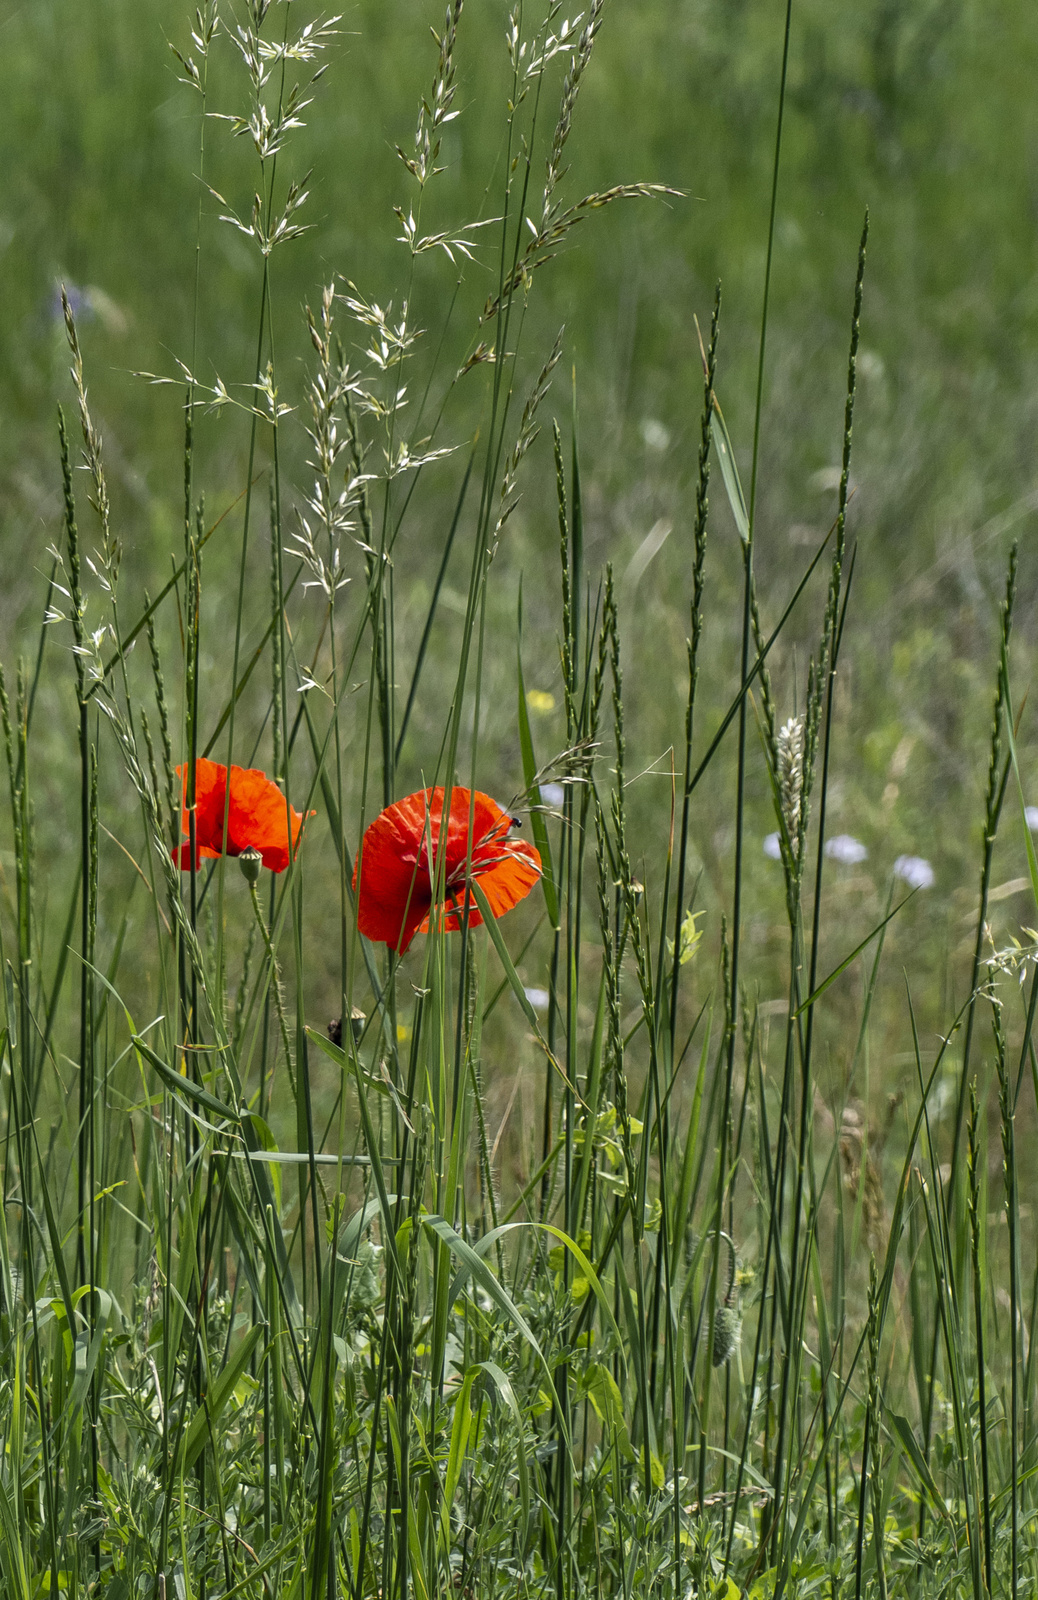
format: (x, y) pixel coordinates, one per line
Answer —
(846, 962)
(218, 1395)
(730, 472)
(503, 1385)
(514, 980)
(183, 1087)
(540, 831)
(1032, 859)
(910, 1444)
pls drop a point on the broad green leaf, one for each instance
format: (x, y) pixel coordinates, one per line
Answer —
(903, 1428)
(594, 1282)
(178, 1084)
(460, 1431)
(603, 1392)
(479, 1270)
(218, 1396)
(504, 1388)
(87, 1352)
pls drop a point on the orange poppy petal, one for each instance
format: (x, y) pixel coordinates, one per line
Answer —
(490, 825)
(182, 855)
(512, 878)
(257, 817)
(394, 878)
(210, 792)
(515, 870)
(399, 851)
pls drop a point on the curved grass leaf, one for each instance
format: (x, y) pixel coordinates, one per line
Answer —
(730, 472)
(540, 831)
(845, 963)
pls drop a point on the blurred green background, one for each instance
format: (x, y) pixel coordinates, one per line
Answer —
(921, 109)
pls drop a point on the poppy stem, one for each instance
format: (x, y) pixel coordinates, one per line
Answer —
(275, 982)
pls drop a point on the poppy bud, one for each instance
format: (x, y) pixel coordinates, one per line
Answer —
(726, 1334)
(251, 863)
(357, 1021)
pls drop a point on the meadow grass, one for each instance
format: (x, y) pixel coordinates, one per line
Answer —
(630, 1243)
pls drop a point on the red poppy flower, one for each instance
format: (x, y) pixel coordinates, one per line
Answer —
(257, 817)
(398, 862)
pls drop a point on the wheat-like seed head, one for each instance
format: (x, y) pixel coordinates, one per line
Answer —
(791, 773)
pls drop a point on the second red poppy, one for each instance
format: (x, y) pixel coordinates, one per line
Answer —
(399, 861)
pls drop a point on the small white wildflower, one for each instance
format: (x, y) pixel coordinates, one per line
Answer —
(655, 435)
(540, 999)
(1031, 818)
(871, 365)
(843, 847)
(773, 847)
(553, 794)
(307, 682)
(790, 773)
(915, 871)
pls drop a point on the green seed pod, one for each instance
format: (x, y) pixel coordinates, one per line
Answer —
(251, 863)
(726, 1334)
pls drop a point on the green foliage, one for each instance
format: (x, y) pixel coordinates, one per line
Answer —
(581, 1251)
